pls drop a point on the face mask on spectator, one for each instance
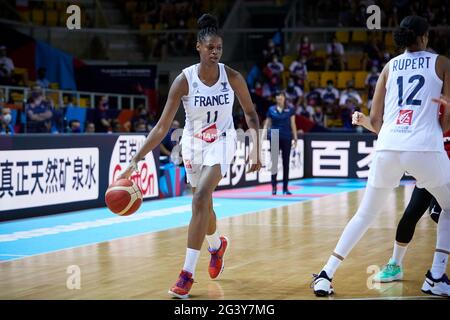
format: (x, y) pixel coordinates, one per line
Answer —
(76, 130)
(7, 118)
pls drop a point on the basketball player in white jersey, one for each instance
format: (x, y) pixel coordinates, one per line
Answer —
(409, 140)
(208, 143)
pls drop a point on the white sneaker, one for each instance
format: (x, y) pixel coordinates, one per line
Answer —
(322, 285)
(437, 287)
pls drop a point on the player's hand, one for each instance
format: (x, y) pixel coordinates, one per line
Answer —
(442, 100)
(294, 143)
(358, 118)
(255, 167)
(128, 171)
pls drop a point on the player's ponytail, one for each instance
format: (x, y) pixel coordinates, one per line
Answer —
(208, 26)
(410, 28)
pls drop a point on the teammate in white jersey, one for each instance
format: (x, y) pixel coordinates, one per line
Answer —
(208, 143)
(405, 117)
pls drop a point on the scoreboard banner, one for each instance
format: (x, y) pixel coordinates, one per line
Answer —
(47, 174)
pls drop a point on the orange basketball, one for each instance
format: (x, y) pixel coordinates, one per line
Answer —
(123, 197)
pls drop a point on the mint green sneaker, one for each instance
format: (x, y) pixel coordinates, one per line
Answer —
(390, 272)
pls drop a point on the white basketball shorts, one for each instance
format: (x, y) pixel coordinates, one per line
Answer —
(430, 169)
(197, 153)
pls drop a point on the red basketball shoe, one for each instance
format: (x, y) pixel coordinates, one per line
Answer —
(182, 286)
(217, 262)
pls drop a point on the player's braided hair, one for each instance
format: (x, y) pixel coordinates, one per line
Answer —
(208, 26)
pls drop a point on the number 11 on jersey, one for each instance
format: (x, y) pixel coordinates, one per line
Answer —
(209, 116)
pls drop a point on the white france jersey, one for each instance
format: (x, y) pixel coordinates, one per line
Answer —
(209, 109)
(410, 121)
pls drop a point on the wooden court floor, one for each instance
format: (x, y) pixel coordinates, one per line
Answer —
(272, 255)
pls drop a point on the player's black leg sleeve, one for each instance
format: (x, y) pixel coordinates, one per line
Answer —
(435, 210)
(417, 206)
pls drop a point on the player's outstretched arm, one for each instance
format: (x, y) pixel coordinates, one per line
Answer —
(251, 116)
(377, 109)
(178, 89)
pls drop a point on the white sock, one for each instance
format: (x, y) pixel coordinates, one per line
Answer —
(214, 240)
(331, 266)
(190, 263)
(439, 264)
(399, 253)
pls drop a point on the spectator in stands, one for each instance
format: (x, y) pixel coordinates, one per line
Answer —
(75, 126)
(6, 125)
(39, 115)
(41, 79)
(349, 92)
(330, 98)
(373, 54)
(115, 126)
(298, 71)
(305, 111)
(6, 68)
(142, 115)
(270, 88)
(275, 67)
(294, 94)
(335, 56)
(103, 122)
(371, 82)
(306, 49)
(90, 127)
(351, 105)
(140, 126)
(270, 51)
(318, 116)
(70, 101)
(314, 96)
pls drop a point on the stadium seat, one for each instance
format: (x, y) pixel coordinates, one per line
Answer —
(285, 78)
(52, 18)
(342, 78)
(17, 97)
(313, 76)
(354, 61)
(83, 102)
(360, 79)
(37, 16)
(76, 113)
(359, 36)
(327, 75)
(342, 36)
(287, 60)
(389, 41)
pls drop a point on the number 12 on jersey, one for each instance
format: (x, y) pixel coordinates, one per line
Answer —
(410, 100)
(209, 116)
